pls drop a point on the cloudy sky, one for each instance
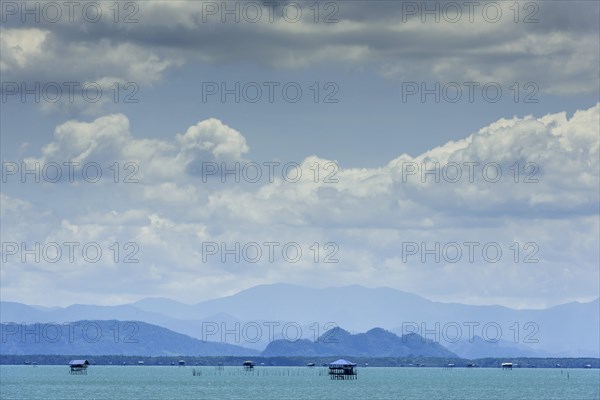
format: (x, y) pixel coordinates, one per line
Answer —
(447, 149)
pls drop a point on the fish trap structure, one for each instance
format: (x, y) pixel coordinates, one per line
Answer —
(343, 369)
(260, 373)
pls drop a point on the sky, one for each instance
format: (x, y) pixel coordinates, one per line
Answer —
(193, 149)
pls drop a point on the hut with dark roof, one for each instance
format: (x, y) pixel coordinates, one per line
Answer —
(78, 367)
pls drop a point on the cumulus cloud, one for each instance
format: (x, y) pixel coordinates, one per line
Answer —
(368, 213)
(107, 140)
(212, 137)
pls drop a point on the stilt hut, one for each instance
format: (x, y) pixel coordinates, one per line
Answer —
(78, 367)
(342, 369)
(248, 365)
(507, 365)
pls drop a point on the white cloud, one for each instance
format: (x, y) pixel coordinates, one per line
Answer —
(74, 75)
(368, 213)
(107, 140)
(213, 137)
(20, 47)
(41, 55)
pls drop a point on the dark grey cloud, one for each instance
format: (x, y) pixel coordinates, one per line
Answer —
(378, 33)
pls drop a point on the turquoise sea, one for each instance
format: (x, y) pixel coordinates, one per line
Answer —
(172, 382)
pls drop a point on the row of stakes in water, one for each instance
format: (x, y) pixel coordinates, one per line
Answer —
(260, 372)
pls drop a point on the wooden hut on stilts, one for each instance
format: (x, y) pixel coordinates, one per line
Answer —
(342, 369)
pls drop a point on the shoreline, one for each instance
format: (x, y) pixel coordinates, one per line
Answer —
(406, 362)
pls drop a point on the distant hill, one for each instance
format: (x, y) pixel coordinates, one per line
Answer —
(375, 343)
(570, 329)
(127, 338)
(567, 330)
(21, 313)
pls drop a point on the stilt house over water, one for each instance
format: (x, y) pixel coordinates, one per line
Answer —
(342, 369)
(78, 367)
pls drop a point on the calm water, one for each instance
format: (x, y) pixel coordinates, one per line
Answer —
(149, 382)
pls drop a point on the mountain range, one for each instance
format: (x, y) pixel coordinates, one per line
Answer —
(375, 343)
(260, 315)
(133, 338)
(112, 337)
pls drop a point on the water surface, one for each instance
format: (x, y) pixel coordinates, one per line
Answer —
(168, 382)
